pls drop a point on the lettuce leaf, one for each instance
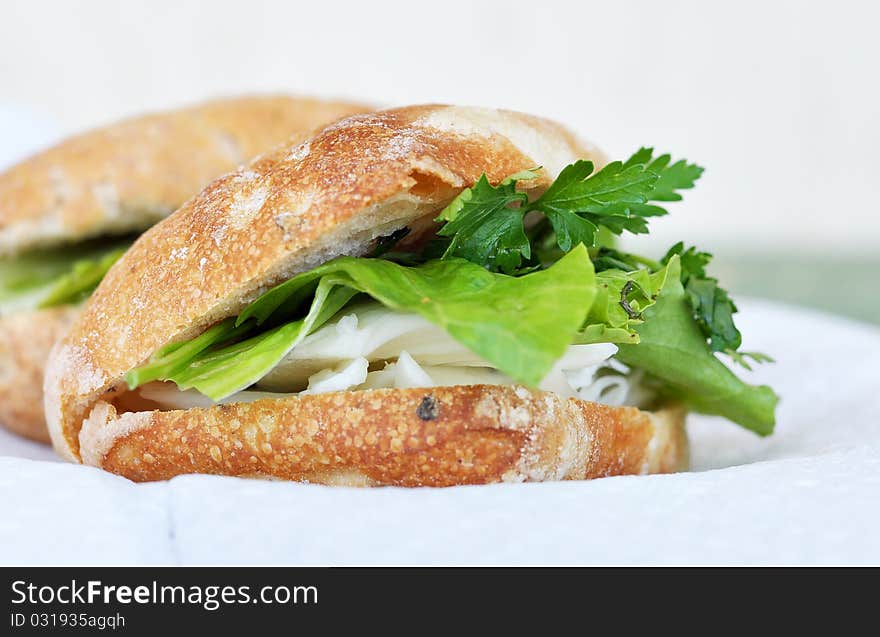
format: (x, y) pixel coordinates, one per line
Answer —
(174, 358)
(622, 297)
(56, 276)
(673, 349)
(713, 307)
(82, 279)
(223, 372)
(516, 323)
(25, 279)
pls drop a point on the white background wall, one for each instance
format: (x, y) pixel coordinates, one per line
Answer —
(779, 100)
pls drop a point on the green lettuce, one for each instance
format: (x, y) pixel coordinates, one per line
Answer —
(621, 299)
(25, 279)
(673, 349)
(175, 357)
(82, 279)
(221, 372)
(57, 276)
(516, 323)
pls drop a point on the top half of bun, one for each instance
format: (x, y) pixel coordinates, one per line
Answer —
(286, 212)
(126, 176)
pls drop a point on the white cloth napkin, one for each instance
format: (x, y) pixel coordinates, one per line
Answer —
(808, 494)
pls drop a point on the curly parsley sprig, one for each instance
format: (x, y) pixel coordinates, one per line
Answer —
(485, 223)
(712, 306)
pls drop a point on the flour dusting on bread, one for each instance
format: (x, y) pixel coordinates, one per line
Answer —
(126, 176)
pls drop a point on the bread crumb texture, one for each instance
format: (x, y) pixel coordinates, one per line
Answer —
(479, 434)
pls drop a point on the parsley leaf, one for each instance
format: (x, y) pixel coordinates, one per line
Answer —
(713, 307)
(579, 201)
(572, 229)
(605, 258)
(484, 228)
(616, 197)
(741, 358)
(673, 349)
(678, 176)
(578, 189)
(485, 223)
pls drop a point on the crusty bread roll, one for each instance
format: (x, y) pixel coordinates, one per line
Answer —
(25, 341)
(116, 179)
(127, 176)
(286, 212)
(438, 436)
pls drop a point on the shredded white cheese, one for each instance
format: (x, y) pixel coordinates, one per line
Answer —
(371, 347)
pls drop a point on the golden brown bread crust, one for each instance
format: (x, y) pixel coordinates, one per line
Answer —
(438, 436)
(127, 176)
(25, 341)
(285, 212)
(119, 178)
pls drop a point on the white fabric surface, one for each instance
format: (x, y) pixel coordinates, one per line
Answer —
(808, 494)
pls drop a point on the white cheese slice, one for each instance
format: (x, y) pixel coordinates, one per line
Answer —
(405, 350)
(349, 375)
(406, 372)
(371, 331)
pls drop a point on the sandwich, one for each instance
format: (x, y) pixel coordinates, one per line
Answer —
(422, 296)
(66, 214)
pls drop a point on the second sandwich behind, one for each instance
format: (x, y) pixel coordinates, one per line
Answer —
(67, 213)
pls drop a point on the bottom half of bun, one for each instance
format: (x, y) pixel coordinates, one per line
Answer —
(25, 341)
(438, 436)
